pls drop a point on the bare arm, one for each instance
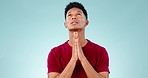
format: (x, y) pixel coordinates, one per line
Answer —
(90, 72)
(67, 72)
(77, 53)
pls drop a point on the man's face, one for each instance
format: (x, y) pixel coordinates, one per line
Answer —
(75, 19)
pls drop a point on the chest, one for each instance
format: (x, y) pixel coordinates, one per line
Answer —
(91, 55)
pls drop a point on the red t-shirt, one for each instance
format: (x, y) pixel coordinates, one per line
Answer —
(59, 57)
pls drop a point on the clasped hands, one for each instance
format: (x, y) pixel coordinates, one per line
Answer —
(77, 52)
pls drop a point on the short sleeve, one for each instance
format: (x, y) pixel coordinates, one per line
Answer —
(52, 62)
(103, 63)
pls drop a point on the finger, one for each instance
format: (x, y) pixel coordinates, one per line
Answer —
(76, 34)
(77, 45)
(74, 50)
(74, 46)
(76, 40)
(73, 36)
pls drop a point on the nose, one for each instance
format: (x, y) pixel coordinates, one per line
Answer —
(74, 17)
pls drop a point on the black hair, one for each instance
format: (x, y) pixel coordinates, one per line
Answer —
(76, 5)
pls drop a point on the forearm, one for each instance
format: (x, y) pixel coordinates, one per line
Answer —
(89, 70)
(67, 72)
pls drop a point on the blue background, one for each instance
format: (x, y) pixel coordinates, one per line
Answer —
(29, 29)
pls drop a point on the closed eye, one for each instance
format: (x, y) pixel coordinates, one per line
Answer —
(69, 15)
(78, 14)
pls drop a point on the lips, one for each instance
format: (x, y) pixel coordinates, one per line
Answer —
(74, 22)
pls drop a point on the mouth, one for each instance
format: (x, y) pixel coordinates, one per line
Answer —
(74, 22)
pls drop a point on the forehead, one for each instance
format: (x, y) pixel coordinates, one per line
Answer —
(74, 10)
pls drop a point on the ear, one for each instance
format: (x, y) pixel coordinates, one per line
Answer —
(87, 22)
(65, 24)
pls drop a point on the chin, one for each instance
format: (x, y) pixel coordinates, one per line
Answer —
(74, 29)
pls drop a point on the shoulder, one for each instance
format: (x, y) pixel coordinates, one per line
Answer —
(59, 47)
(55, 51)
(94, 45)
(95, 48)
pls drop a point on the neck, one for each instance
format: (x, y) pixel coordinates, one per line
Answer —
(81, 37)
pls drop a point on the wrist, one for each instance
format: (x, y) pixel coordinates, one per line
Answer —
(72, 60)
(82, 58)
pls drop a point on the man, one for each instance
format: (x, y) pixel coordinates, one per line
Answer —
(78, 57)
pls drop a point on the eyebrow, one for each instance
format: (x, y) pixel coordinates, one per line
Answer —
(77, 11)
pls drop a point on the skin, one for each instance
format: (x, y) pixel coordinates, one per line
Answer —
(76, 23)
